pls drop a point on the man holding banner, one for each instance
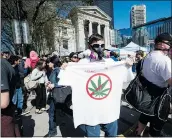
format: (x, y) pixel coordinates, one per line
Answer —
(96, 84)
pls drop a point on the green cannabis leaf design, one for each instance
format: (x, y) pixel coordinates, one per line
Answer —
(98, 90)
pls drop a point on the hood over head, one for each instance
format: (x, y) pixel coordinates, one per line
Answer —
(33, 55)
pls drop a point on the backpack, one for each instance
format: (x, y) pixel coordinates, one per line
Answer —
(164, 105)
(29, 84)
(60, 94)
(148, 98)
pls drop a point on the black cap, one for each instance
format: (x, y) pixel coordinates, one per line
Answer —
(164, 37)
(72, 54)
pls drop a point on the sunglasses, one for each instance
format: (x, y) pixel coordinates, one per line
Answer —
(98, 45)
(74, 57)
(167, 43)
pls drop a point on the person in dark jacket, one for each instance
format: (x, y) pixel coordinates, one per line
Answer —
(53, 71)
(18, 96)
(21, 67)
(8, 126)
(23, 74)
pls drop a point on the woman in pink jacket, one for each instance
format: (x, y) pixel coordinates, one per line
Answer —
(31, 62)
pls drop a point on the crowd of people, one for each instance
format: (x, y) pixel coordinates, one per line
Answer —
(44, 71)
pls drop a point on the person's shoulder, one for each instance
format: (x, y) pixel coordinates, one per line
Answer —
(167, 59)
(162, 58)
(158, 59)
(6, 65)
(35, 70)
(4, 62)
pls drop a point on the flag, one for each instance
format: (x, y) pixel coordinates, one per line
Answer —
(96, 90)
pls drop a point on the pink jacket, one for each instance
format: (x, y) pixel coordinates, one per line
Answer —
(32, 61)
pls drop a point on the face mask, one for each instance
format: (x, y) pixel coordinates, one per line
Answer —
(99, 50)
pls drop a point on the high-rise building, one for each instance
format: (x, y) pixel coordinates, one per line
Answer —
(112, 37)
(107, 7)
(137, 15)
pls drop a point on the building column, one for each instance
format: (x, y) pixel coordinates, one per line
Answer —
(80, 35)
(106, 36)
(90, 28)
(98, 29)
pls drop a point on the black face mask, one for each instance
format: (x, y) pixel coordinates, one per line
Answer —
(99, 49)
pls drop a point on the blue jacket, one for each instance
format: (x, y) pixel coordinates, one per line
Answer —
(115, 59)
(53, 77)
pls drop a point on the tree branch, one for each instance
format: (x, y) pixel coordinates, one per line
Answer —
(49, 19)
(37, 10)
(7, 9)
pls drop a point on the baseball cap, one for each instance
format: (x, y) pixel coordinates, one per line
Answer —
(164, 37)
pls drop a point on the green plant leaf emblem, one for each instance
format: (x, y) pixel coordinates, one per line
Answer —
(99, 81)
(98, 90)
(94, 85)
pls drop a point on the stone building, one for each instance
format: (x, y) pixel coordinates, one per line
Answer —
(72, 35)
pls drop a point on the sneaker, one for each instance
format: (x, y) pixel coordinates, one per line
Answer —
(50, 135)
(37, 111)
(25, 112)
(43, 109)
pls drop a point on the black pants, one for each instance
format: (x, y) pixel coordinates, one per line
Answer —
(156, 124)
(40, 96)
(25, 93)
(25, 96)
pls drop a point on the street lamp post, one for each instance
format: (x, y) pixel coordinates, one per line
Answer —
(20, 24)
(21, 28)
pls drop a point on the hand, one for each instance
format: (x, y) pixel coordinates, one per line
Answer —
(51, 86)
(129, 61)
(64, 65)
(47, 83)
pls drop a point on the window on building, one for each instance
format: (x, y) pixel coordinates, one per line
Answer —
(65, 44)
(64, 30)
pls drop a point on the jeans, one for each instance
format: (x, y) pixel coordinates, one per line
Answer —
(94, 131)
(18, 98)
(52, 118)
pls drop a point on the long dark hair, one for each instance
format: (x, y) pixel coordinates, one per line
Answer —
(56, 61)
(13, 58)
(39, 64)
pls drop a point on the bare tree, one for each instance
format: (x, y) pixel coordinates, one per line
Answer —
(41, 15)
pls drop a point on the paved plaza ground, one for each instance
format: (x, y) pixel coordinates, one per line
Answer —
(37, 124)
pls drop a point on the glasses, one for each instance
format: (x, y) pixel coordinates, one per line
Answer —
(98, 45)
